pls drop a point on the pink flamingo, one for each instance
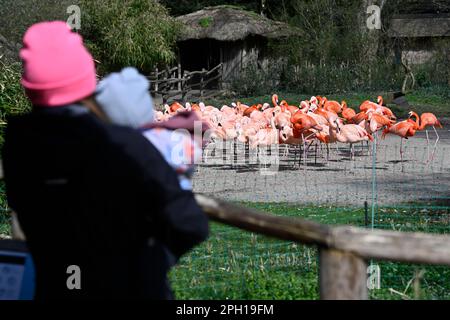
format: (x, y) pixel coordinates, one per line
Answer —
(349, 133)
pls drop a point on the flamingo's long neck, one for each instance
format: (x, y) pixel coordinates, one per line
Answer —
(275, 100)
(380, 100)
(272, 123)
(417, 119)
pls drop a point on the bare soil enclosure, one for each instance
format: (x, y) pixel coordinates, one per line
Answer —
(339, 181)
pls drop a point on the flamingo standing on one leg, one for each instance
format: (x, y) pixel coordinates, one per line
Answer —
(429, 119)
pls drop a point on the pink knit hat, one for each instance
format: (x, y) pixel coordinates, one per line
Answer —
(58, 69)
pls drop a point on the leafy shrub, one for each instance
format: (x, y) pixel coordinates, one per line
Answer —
(129, 32)
(205, 22)
(12, 97)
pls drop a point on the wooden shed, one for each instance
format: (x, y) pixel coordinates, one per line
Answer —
(229, 36)
(422, 27)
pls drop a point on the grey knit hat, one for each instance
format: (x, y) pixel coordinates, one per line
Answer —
(124, 97)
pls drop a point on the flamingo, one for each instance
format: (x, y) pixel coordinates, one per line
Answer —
(176, 107)
(428, 119)
(241, 107)
(316, 119)
(227, 110)
(325, 137)
(265, 136)
(349, 133)
(275, 100)
(265, 106)
(367, 105)
(160, 116)
(286, 107)
(303, 123)
(249, 111)
(387, 112)
(377, 121)
(329, 115)
(404, 130)
(282, 119)
(321, 120)
(347, 113)
(331, 105)
(259, 117)
(360, 117)
(195, 107)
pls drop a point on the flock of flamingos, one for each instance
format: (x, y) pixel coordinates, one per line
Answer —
(315, 120)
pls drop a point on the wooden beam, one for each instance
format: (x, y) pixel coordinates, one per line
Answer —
(298, 230)
(392, 245)
(343, 276)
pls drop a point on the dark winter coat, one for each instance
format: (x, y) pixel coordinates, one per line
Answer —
(100, 197)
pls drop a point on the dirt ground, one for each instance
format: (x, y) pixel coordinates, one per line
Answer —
(339, 181)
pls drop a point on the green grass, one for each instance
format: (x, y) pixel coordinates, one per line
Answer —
(4, 216)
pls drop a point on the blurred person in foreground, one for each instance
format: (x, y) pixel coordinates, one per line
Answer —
(87, 193)
(125, 99)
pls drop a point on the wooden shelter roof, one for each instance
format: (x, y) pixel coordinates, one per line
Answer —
(227, 23)
(423, 25)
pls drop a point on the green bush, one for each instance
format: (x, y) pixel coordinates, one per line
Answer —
(12, 97)
(121, 33)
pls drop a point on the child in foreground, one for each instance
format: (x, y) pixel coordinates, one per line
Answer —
(124, 98)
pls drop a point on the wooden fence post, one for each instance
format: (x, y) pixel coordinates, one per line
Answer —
(343, 276)
(156, 81)
(201, 83)
(184, 86)
(179, 77)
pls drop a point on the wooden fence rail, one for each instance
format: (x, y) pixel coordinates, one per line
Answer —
(344, 250)
(172, 82)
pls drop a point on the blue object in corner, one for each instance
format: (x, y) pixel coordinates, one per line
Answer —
(17, 276)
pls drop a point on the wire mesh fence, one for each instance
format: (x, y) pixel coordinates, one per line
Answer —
(373, 188)
(327, 185)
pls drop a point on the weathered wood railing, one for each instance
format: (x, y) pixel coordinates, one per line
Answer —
(343, 250)
(172, 82)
